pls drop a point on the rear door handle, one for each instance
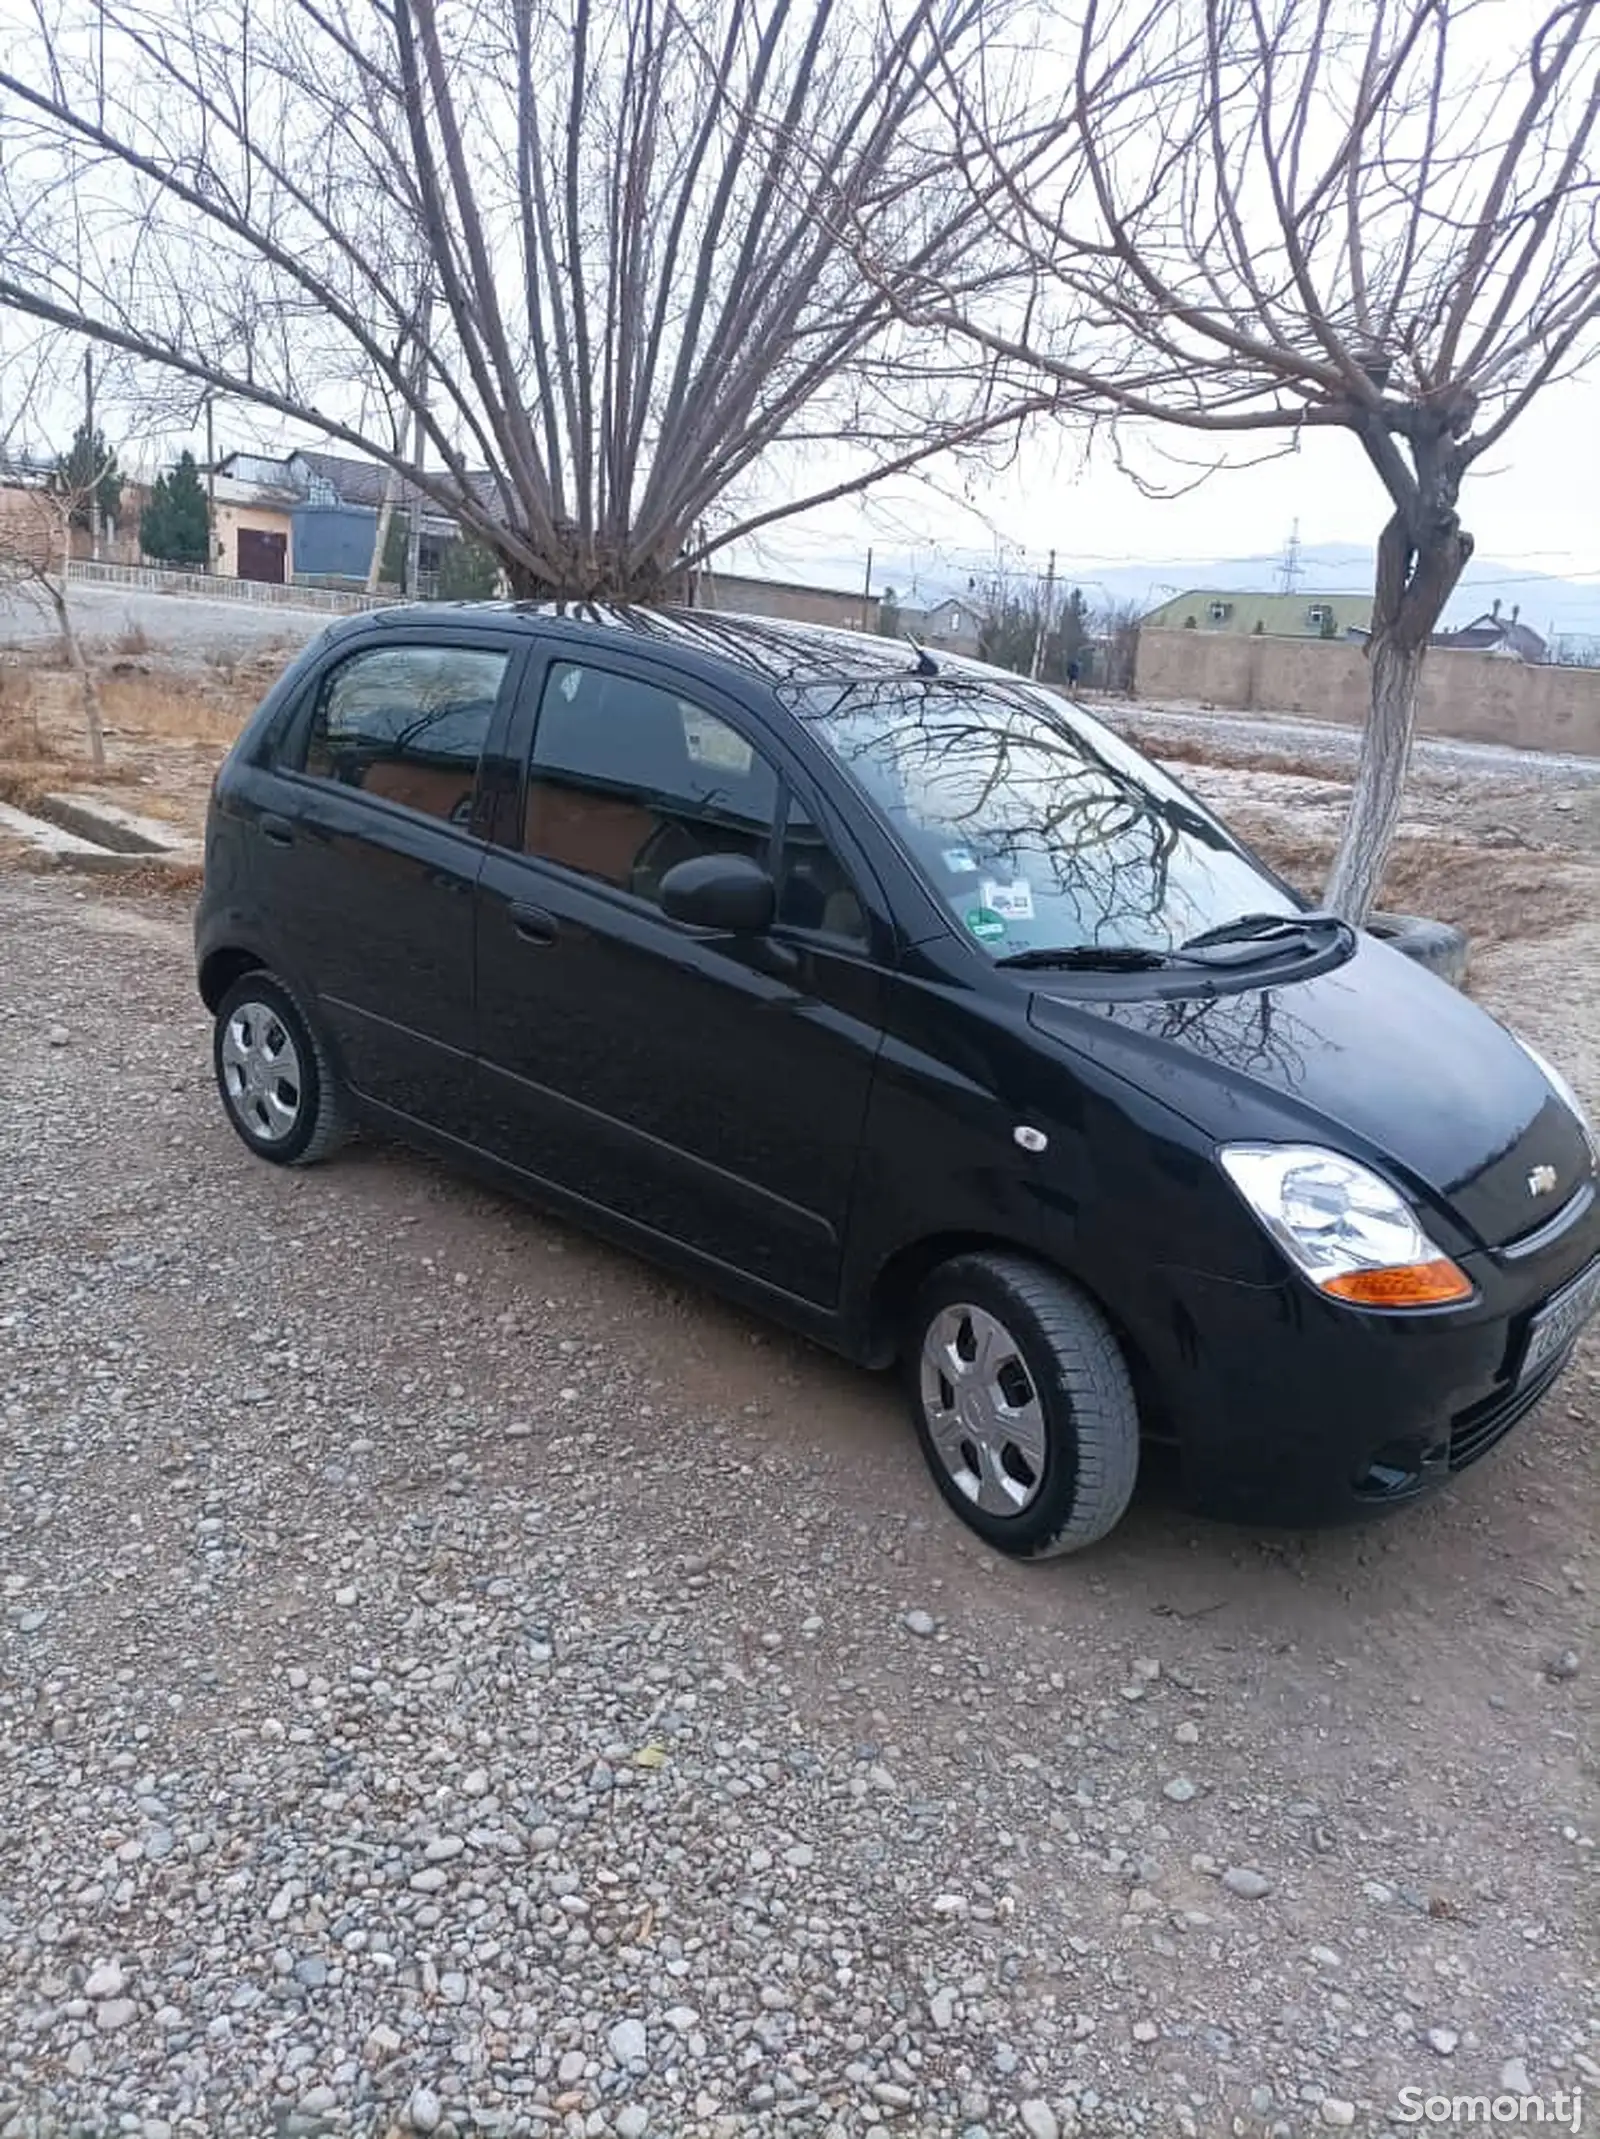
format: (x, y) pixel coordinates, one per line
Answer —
(278, 829)
(532, 923)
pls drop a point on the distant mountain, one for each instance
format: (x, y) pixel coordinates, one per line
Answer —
(1553, 606)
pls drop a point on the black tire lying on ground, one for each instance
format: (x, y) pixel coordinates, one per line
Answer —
(1434, 944)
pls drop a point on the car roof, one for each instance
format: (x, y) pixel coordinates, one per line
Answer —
(775, 650)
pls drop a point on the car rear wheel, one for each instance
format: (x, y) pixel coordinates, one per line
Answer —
(1023, 1405)
(276, 1081)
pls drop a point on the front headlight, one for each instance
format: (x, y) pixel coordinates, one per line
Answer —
(1559, 1085)
(1353, 1235)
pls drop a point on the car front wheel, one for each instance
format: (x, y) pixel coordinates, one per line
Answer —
(1023, 1404)
(276, 1081)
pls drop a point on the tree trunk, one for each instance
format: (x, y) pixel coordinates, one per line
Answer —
(1415, 578)
(1379, 789)
(72, 646)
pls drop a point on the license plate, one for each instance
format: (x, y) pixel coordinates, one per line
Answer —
(1558, 1322)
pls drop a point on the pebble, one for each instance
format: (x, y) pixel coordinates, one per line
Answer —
(1180, 1789)
(1514, 2077)
(628, 2042)
(424, 2111)
(942, 2009)
(105, 1981)
(922, 1624)
(1565, 1664)
(1442, 2040)
(1340, 2114)
(632, 2121)
(1039, 2119)
(1248, 1884)
(115, 2013)
(58, 1036)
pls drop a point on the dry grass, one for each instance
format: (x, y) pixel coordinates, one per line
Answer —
(174, 710)
(159, 880)
(20, 733)
(23, 780)
(1496, 897)
(1186, 750)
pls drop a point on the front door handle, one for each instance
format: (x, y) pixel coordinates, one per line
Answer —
(533, 924)
(278, 829)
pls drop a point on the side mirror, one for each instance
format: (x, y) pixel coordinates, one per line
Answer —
(728, 892)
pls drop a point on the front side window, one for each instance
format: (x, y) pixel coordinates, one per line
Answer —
(407, 724)
(1039, 829)
(629, 778)
(813, 890)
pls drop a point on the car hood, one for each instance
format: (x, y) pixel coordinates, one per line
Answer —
(1376, 1057)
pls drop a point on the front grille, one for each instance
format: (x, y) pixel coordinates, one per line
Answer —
(1474, 1432)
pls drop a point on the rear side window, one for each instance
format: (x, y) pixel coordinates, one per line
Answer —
(628, 778)
(407, 724)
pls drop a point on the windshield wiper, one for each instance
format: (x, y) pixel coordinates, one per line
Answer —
(1092, 958)
(1261, 928)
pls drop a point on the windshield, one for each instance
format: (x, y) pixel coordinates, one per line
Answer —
(1036, 826)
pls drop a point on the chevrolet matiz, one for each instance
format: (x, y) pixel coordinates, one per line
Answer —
(904, 1001)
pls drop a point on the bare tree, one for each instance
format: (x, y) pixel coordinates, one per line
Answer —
(42, 498)
(1259, 217)
(620, 239)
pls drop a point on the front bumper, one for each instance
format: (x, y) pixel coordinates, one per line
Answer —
(1290, 1408)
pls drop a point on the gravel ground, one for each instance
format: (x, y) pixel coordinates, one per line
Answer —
(454, 1679)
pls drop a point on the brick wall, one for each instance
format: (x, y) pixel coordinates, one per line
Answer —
(738, 596)
(1473, 696)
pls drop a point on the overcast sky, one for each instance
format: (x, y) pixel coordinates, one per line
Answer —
(1534, 506)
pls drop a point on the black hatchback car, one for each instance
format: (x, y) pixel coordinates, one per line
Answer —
(909, 1004)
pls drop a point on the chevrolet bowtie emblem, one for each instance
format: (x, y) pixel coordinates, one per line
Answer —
(1541, 1179)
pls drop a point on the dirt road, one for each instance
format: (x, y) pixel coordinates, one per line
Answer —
(454, 1679)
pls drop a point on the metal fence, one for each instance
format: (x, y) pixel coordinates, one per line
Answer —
(211, 586)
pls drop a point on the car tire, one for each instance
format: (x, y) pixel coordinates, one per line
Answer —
(278, 1087)
(1437, 945)
(1023, 1404)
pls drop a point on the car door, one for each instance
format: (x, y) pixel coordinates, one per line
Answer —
(364, 851)
(707, 1087)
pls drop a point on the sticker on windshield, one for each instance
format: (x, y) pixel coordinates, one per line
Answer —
(986, 926)
(1012, 902)
(959, 862)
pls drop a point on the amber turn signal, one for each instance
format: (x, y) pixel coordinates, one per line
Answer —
(1433, 1284)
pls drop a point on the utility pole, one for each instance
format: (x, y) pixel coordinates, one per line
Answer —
(418, 409)
(211, 484)
(866, 594)
(1043, 631)
(90, 456)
